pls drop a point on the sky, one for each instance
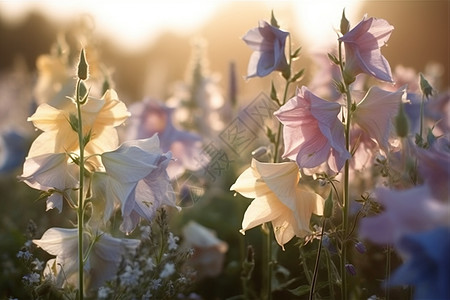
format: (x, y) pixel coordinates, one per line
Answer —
(135, 22)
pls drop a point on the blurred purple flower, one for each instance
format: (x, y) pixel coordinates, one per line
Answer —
(150, 117)
(406, 211)
(434, 167)
(312, 132)
(427, 264)
(362, 48)
(268, 43)
(13, 150)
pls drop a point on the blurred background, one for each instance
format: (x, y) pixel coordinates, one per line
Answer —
(149, 49)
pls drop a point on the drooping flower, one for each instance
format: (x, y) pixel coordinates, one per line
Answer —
(375, 113)
(51, 172)
(137, 180)
(277, 199)
(427, 264)
(101, 264)
(13, 147)
(405, 211)
(99, 117)
(268, 43)
(312, 132)
(362, 48)
(150, 117)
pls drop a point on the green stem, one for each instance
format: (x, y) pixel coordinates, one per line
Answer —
(80, 208)
(388, 270)
(345, 210)
(316, 266)
(268, 261)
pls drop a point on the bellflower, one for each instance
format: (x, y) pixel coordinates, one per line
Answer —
(50, 172)
(13, 147)
(150, 117)
(137, 180)
(277, 199)
(427, 264)
(362, 48)
(312, 132)
(406, 211)
(434, 167)
(375, 113)
(100, 116)
(101, 264)
(268, 43)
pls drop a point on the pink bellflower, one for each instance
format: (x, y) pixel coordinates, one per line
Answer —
(268, 43)
(313, 134)
(362, 49)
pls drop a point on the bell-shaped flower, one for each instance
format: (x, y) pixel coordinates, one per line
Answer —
(13, 149)
(427, 264)
(150, 117)
(51, 172)
(405, 211)
(101, 263)
(99, 117)
(277, 199)
(375, 113)
(313, 134)
(362, 49)
(137, 180)
(434, 167)
(268, 43)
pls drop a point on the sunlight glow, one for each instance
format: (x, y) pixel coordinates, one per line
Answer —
(319, 19)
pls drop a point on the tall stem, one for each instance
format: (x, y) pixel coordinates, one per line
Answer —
(346, 197)
(80, 208)
(316, 266)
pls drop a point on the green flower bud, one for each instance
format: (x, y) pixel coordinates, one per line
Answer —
(401, 123)
(345, 25)
(425, 87)
(83, 67)
(328, 207)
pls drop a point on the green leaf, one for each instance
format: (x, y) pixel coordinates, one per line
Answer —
(298, 75)
(296, 53)
(300, 291)
(73, 121)
(333, 58)
(328, 206)
(87, 138)
(273, 93)
(273, 21)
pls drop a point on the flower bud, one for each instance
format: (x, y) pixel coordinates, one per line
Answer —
(425, 87)
(83, 67)
(345, 25)
(360, 247)
(350, 269)
(401, 122)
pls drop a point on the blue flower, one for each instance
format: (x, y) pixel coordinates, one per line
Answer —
(427, 266)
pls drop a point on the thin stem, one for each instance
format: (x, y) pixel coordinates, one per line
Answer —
(316, 266)
(346, 179)
(80, 208)
(388, 270)
(268, 261)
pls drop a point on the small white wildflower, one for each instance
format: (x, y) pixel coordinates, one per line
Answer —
(37, 264)
(28, 243)
(11, 298)
(155, 284)
(24, 254)
(149, 264)
(145, 232)
(103, 292)
(168, 270)
(172, 241)
(32, 278)
(131, 275)
(147, 296)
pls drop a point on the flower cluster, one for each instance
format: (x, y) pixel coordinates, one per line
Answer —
(359, 135)
(77, 160)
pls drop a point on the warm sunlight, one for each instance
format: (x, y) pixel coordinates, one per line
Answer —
(133, 22)
(318, 19)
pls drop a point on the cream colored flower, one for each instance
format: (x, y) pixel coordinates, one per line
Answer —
(99, 117)
(277, 199)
